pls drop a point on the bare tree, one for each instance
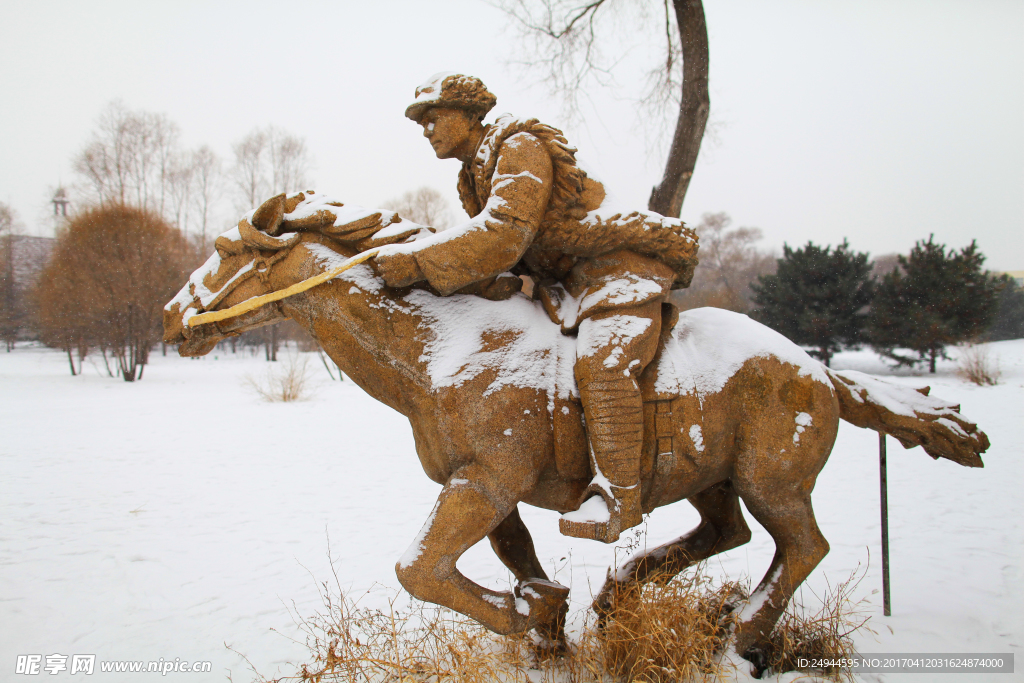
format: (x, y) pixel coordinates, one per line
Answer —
(565, 40)
(134, 159)
(163, 136)
(729, 263)
(250, 171)
(207, 178)
(268, 161)
(130, 159)
(884, 264)
(9, 309)
(289, 161)
(181, 177)
(425, 206)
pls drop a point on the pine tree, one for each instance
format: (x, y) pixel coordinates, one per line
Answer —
(817, 298)
(933, 300)
(1009, 318)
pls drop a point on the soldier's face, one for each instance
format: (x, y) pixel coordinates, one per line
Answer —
(448, 130)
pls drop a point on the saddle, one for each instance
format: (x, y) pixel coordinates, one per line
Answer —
(673, 423)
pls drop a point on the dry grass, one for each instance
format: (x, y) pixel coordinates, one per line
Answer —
(824, 634)
(285, 381)
(673, 630)
(666, 631)
(977, 365)
(663, 631)
(416, 645)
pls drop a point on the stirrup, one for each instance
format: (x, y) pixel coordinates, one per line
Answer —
(604, 515)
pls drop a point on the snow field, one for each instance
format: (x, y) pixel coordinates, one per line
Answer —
(170, 517)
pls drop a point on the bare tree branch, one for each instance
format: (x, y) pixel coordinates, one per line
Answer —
(425, 206)
(268, 161)
(667, 197)
(564, 42)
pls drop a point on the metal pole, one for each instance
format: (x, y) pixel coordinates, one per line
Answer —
(886, 605)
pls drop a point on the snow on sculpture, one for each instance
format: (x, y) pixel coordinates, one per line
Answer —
(706, 405)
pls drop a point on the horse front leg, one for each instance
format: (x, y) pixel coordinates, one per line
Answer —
(471, 506)
(512, 543)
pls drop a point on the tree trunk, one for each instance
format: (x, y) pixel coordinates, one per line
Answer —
(667, 197)
(143, 356)
(106, 364)
(931, 361)
(71, 360)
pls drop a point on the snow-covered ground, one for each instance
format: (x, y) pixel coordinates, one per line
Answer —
(167, 518)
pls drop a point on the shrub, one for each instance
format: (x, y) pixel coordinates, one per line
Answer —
(976, 365)
(284, 383)
(111, 272)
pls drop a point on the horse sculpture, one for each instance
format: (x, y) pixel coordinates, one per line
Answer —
(732, 410)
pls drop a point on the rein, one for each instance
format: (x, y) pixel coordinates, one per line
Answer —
(297, 288)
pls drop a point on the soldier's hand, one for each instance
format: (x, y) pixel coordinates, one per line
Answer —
(398, 269)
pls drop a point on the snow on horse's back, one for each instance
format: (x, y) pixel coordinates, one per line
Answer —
(709, 345)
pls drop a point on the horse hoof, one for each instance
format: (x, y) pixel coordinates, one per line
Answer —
(758, 661)
(604, 603)
(549, 604)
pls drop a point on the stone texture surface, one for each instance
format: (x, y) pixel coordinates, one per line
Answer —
(504, 428)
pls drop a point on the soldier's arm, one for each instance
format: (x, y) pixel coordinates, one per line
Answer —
(493, 241)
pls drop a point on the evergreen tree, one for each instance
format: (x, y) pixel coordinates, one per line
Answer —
(933, 300)
(817, 298)
(1009, 318)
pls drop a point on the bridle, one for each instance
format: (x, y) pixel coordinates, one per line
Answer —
(257, 301)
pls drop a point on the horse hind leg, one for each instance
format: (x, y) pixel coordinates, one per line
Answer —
(799, 547)
(512, 543)
(721, 528)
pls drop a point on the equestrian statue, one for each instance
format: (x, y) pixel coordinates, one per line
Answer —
(592, 396)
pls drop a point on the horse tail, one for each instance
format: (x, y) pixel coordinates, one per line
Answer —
(910, 415)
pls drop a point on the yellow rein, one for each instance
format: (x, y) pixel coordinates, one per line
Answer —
(297, 288)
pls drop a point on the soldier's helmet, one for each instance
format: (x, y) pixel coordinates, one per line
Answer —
(453, 91)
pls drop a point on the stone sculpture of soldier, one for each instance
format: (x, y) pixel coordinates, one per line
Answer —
(600, 272)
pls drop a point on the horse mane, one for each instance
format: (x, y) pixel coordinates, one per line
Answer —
(474, 178)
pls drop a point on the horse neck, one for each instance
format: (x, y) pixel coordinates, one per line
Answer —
(366, 332)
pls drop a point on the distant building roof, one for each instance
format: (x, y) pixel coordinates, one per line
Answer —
(1017, 275)
(30, 255)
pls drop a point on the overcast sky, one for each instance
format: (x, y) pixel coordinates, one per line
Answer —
(877, 121)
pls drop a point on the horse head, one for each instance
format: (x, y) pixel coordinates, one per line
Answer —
(259, 257)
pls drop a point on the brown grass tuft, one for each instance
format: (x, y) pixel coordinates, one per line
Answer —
(824, 634)
(421, 644)
(669, 630)
(666, 630)
(976, 365)
(285, 382)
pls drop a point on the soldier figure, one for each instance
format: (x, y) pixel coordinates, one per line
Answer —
(600, 273)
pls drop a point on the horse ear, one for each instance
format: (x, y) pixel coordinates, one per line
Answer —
(255, 238)
(228, 247)
(269, 216)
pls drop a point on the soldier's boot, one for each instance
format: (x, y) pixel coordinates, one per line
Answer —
(615, 427)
